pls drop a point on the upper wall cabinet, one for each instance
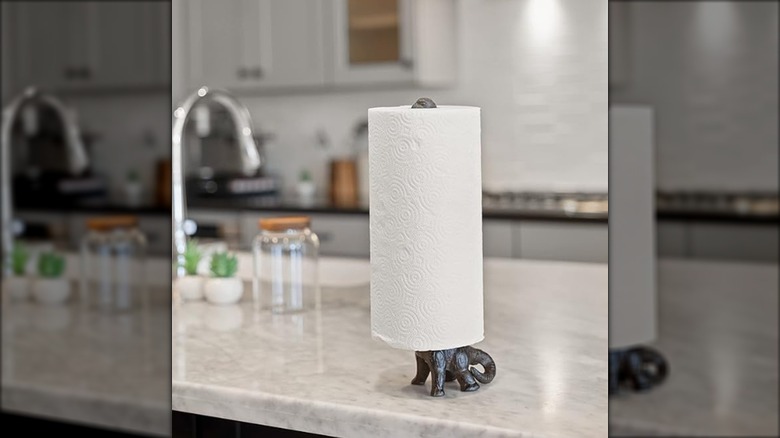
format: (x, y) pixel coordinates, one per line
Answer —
(262, 45)
(74, 46)
(391, 41)
(255, 44)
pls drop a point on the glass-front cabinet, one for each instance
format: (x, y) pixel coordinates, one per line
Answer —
(372, 41)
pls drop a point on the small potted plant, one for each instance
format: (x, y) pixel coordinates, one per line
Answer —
(50, 287)
(306, 188)
(190, 287)
(18, 285)
(223, 287)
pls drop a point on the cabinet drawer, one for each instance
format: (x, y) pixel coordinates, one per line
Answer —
(342, 235)
(749, 242)
(561, 241)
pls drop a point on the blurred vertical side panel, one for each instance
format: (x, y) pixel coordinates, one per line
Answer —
(694, 114)
(84, 179)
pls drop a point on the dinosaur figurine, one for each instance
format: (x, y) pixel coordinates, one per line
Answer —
(453, 364)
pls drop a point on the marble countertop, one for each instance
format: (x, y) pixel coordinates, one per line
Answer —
(72, 363)
(718, 331)
(320, 372)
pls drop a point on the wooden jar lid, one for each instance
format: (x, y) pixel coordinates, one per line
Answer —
(104, 223)
(284, 223)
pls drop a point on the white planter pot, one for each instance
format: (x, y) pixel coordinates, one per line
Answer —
(190, 287)
(17, 288)
(51, 290)
(223, 290)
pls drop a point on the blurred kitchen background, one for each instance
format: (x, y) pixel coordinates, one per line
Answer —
(308, 71)
(704, 76)
(110, 65)
(86, 99)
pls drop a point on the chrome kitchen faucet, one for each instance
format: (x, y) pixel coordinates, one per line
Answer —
(77, 156)
(250, 159)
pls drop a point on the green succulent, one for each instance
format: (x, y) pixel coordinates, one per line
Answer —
(192, 257)
(19, 257)
(223, 265)
(51, 265)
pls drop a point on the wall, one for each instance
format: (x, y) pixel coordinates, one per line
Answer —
(133, 131)
(538, 69)
(709, 69)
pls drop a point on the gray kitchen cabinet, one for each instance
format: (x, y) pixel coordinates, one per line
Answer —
(262, 45)
(497, 238)
(565, 241)
(255, 44)
(724, 241)
(391, 41)
(157, 230)
(672, 239)
(226, 224)
(61, 52)
(340, 234)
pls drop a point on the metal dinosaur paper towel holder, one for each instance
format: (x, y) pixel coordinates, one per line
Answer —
(453, 363)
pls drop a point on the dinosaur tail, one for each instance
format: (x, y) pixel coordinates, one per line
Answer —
(480, 357)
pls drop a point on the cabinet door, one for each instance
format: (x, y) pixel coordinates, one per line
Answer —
(216, 43)
(256, 44)
(371, 41)
(90, 45)
(46, 34)
(127, 44)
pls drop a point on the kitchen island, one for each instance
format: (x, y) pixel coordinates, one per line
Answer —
(320, 372)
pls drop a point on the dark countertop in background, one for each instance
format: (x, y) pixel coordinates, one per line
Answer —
(490, 210)
(323, 206)
(103, 208)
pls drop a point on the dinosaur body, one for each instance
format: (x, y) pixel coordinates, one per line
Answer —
(454, 364)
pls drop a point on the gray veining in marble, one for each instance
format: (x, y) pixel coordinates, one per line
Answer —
(85, 366)
(718, 330)
(320, 372)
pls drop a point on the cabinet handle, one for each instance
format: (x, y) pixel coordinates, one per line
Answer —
(406, 63)
(257, 72)
(86, 72)
(242, 73)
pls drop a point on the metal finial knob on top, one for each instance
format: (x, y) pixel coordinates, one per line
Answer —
(424, 102)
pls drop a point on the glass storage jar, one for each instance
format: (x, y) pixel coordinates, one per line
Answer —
(113, 255)
(286, 257)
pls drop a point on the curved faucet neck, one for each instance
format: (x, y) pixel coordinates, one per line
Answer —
(77, 156)
(250, 158)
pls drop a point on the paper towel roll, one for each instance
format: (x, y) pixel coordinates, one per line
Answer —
(426, 226)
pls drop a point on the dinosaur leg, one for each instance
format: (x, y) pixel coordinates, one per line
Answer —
(422, 371)
(438, 371)
(464, 376)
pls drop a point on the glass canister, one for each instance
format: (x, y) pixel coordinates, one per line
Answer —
(286, 264)
(113, 256)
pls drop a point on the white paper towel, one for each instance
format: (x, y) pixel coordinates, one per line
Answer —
(426, 226)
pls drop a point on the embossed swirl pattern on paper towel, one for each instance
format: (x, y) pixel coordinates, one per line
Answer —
(425, 208)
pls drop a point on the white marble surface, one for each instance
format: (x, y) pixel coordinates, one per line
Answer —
(320, 372)
(70, 363)
(718, 330)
